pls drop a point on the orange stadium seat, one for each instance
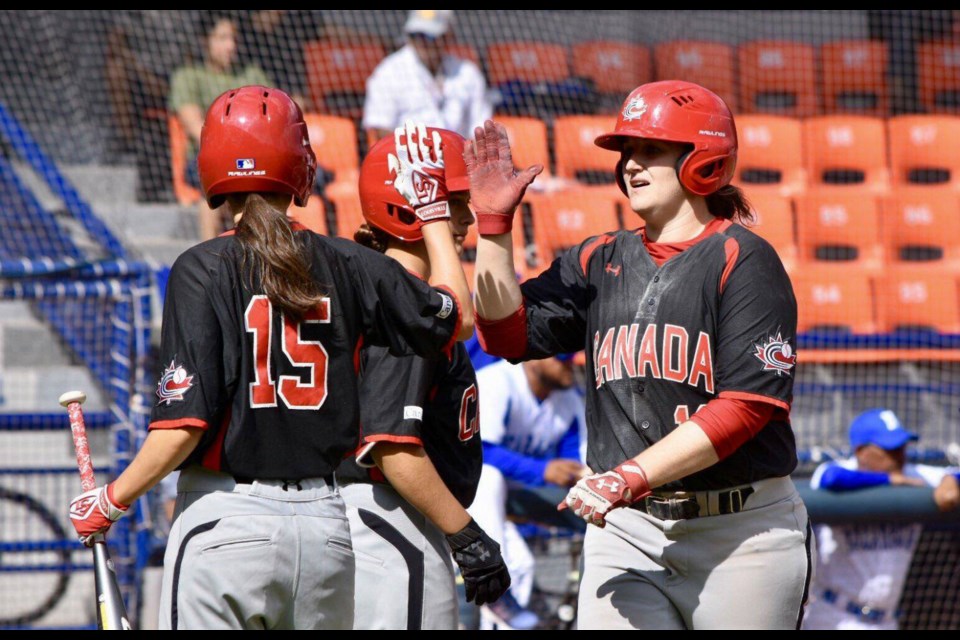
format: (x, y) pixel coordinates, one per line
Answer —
(577, 157)
(839, 226)
(770, 155)
(528, 141)
(778, 76)
(922, 227)
(938, 64)
(313, 216)
(613, 67)
(707, 63)
(567, 218)
(834, 298)
(924, 150)
(185, 194)
(464, 52)
(334, 141)
(847, 150)
(526, 62)
(912, 298)
(855, 77)
(347, 212)
(773, 221)
(337, 73)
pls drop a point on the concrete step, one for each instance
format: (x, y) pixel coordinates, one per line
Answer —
(30, 344)
(163, 250)
(103, 183)
(137, 222)
(37, 389)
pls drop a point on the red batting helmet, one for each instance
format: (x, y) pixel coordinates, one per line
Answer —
(677, 111)
(254, 139)
(383, 206)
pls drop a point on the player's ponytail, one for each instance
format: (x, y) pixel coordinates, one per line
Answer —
(372, 238)
(730, 203)
(273, 257)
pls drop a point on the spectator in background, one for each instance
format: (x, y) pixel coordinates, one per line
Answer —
(421, 82)
(531, 416)
(862, 568)
(142, 48)
(193, 89)
(273, 40)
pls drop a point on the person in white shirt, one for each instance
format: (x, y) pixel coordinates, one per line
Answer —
(421, 82)
(532, 425)
(862, 568)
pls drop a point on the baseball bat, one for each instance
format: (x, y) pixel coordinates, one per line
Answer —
(111, 612)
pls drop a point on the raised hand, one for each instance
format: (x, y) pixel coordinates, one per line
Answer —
(419, 172)
(496, 187)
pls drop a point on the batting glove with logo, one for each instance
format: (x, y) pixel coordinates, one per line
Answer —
(484, 572)
(593, 497)
(496, 187)
(419, 169)
(94, 512)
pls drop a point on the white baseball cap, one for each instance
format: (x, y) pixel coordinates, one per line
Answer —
(429, 22)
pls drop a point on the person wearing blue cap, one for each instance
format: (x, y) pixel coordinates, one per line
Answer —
(531, 418)
(861, 568)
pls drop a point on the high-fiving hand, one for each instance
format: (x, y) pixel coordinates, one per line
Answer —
(418, 165)
(593, 497)
(496, 187)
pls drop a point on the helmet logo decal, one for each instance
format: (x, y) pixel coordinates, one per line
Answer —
(635, 109)
(246, 164)
(776, 354)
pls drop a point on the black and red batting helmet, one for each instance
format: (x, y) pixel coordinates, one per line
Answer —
(678, 111)
(254, 139)
(383, 206)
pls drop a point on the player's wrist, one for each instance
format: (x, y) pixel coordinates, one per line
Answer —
(433, 212)
(111, 507)
(635, 478)
(494, 224)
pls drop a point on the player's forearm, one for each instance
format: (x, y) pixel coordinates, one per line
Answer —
(446, 270)
(498, 294)
(162, 452)
(412, 474)
(685, 451)
(191, 117)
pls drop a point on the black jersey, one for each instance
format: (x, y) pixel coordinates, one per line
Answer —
(279, 398)
(431, 402)
(717, 320)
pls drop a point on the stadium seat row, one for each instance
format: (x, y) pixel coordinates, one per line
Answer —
(772, 76)
(786, 156)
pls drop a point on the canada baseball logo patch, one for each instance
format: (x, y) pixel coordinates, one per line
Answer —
(776, 354)
(635, 109)
(173, 384)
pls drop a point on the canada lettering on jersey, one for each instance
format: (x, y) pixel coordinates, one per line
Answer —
(669, 353)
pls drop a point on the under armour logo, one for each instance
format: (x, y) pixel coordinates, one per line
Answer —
(608, 484)
(484, 554)
(614, 270)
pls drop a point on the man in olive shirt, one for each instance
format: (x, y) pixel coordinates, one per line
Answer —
(193, 89)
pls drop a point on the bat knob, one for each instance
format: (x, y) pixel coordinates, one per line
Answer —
(70, 397)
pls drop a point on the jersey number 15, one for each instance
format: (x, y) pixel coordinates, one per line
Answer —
(308, 354)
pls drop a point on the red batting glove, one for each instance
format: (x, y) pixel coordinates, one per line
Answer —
(496, 187)
(419, 172)
(94, 512)
(592, 497)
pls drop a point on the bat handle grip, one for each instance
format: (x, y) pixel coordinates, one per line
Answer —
(82, 447)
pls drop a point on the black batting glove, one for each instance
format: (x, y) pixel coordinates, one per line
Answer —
(485, 575)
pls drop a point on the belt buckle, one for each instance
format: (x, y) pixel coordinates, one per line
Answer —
(680, 507)
(736, 505)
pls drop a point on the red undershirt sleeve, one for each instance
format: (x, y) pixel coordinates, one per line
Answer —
(730, 423)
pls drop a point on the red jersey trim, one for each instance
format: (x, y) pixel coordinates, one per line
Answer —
(506, 337)
(177, 424)
(394, 439)
(588, 250)
(746, 395)
(732, 249)
(448, 348)
(213, 456)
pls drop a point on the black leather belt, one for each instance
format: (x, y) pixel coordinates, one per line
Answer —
(687, 505)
